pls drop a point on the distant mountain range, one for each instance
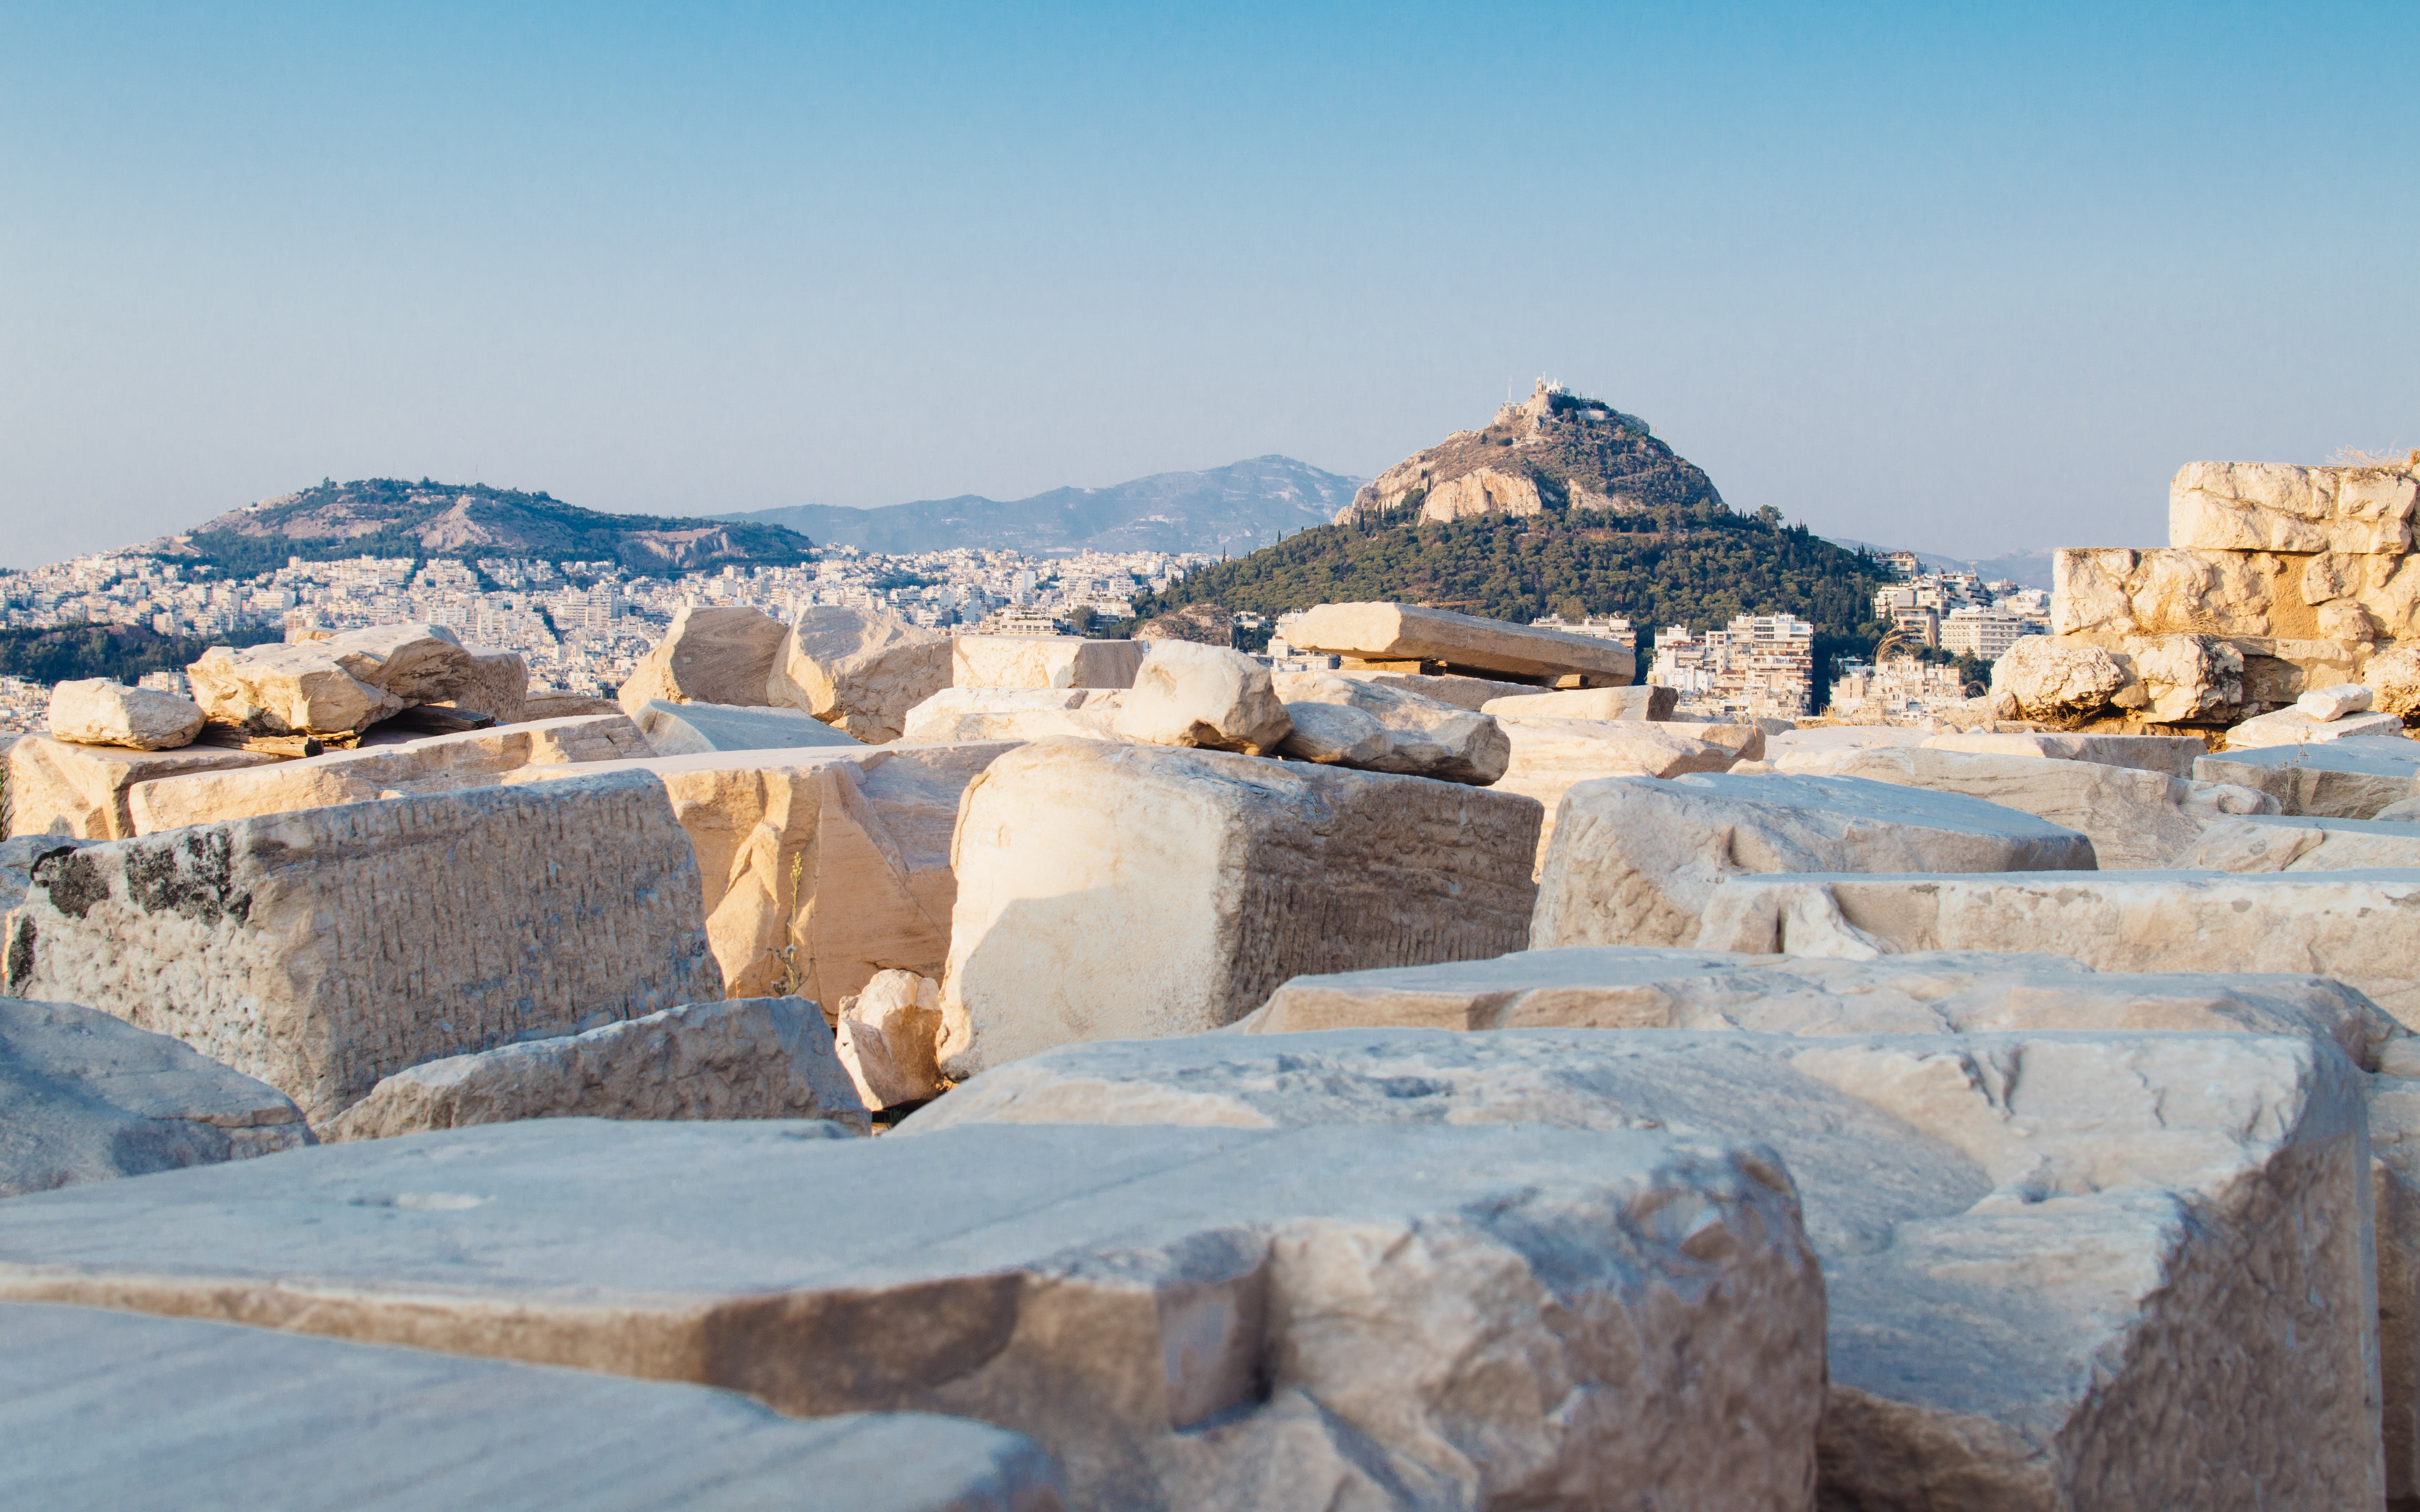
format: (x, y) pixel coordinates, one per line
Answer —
(1231, 509)
(2026, 569)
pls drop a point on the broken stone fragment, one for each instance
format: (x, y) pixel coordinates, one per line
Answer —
(94, 711)
(957, 713)
(1639, 701)
(2268, 506)
(1426, 639)
(2168, 755)
(2297, 727)
(2297, 843)
(857, 669)
(708, 656)
(1547, 756)
(2334, 779)
(2335, 702)
(2050, 680)
(1374, 729)
(412, 662)
(82, 792)
(889, 1039)
(1043, 662)
(1205, 697)
(696, 729)
(297, 689)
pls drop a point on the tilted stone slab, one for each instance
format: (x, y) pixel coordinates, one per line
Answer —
(2063, 1271)
(1549, 756)
(698, 729)
(1614, 987)
(95, 711)
(1186, 1318)
(2277, 843)
(1121, 891)
(237, 1417)
(818, 868)
(86, 1098)
(2294, 728)
(81, 792)
(1042, 662)
(437, 763)
(708, 656)
(1368, 728)
(322, 949)
(759, 1057)
(1634, 860)
(2338, 780)
(1459, 642)
(2358, 927)
(859, 670)
(1471, 693)
(2169, 755)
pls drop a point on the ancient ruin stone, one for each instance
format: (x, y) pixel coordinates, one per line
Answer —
(302, 688)
(1043, 662)
(2335, 779)
(2169, 755)
(1435, 638)
(82, 792)
(2054, 680)
(1203, 697)
(1015, 714)
(2296, 843)
(94, 711)
(1549, 756)
(699, 729)
(1372, 728)
(889, 1038)
(2268, 506)
(857, 669)
(708, 656)
(1638, 702)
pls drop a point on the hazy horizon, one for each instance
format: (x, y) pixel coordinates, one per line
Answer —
(1974, 282)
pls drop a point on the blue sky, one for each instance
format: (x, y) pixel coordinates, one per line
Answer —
(1969, 279)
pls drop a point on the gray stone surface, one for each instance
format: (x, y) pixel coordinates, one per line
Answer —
(1370, 727)
(17, 858)
(2338, 780)
(117, 1410)
(1186, 1318)
(700, 729)
(323, 949)
(2275, 842)
(86, 1098)
(750, 1057)
(2169, 755)
(1634, 860)
(2362, 927)
(2064, 1270)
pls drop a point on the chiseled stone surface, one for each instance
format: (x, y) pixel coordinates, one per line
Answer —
(1405, 632)
(2135, 818)
(1550, 755)
(758, 1057)
(88, 1097)
(2271, 506)
(1203, 696)
(1042, 662)
(2301, 843)
(698, 729)
(323, 949)
(2168, 755)
(857, 669)
(818, 868)
(2337, 779)
(437, 763)
(1638, 702)
(2358, 927)
(1613, 987)
(957, 713)
(708, 656)
(2064, 1270)
(95, 711)
(1185, 1317)
(1634, 860)
(232, 1416)
(79, 792)
(1345, 723)
(1120, 891)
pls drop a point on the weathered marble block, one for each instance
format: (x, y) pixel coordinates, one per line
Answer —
(1042, 662)
(1436, 637)
(709, 655)
(2168, 755)
(2276, 842)
(2338, 780)
(82, 792)
(701, 729)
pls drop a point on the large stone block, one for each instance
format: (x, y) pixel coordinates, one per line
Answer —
(238, 1417)
(2358, 927)
(2296, 729)
(1638, 702)
(2047, 679)
(819, 869)
(498, 685)
(857, 669)
(2291, 843)
(1206, 696)
(2247, 596)
(1471, 693)
(708, 656)
(2336, 780)
(2064, 1270)
(322, 949)
(700, 729)
(2168, 755)
(1428, 640)
(336, 685)
(81, 792)
(95, 711)
(1346, 722)
(2268, 506)
(1114, 892)
(1634, 860)
(438, 764)
(761, 1058)
(957, 713)
(1187, 1317)
(1549, 755)
(88, 1098)
(1042, 662)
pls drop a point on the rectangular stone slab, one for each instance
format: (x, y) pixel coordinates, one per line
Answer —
(79, 792)
(2281, 843)
(2337, 779)
(2362, 927)
(1114, 892)
(2063, 1269)
(1042, 662)
(2169, 755)
(1462, 642)
(702, 729)
(1549, 756)
(107, 1409)
(323, 949)
(1634, 859)
(1186, 1318)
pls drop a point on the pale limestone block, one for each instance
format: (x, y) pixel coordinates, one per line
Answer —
(708, 656)
(1634, 860)
(302, 688)
(1472, 693)
(1462, 642)
(498, 685)
(2063, 1269)
(857, 669)
(91, 1098)
(889, 1038)
(548, 704)
(82, 792)
(958, 714)
(294, 1422)
(2169, 755)
(1116, 891)
(2268, 506)
(1549, 755)
(1203, 696)
(1043, 662)
(2297, 843)
(2183, 679)
(761, 1058)
(2335, 779)
(437, 763)
(1374, 1317)
(322, 949)
(2393, 677)
(2296, 727)
(1370, 727)
(94, 711)
(2335, 702)
(413, 661)
(2051, 680)
(699, 729)
(1638, 702)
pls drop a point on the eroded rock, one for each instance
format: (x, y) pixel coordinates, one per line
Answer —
(82, 792)
(1043, 662)
(95, 711)
(2295, 843)
(701, 729)
(1428, 640)
(1015, 714)
(1205, 697)
(889, 1037)
(2334, 779)
(1339, 721)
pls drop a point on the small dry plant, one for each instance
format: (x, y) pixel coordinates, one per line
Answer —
(789, 964)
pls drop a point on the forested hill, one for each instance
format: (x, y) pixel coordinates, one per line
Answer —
(1696, 567)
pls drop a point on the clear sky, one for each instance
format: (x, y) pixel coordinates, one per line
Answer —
(1965, 278)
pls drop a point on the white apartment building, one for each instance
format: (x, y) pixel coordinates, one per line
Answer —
(1987, 633)
(1761, 665)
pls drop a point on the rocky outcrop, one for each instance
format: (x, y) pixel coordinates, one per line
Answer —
(708, 656)
(1202, 697)
(83, 791)
(858, 670)
(94, 711)
(1114, 892)
(1427, 640)
(762, 1058)
(1342, 722)
(698, 729)
(1043, 662)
